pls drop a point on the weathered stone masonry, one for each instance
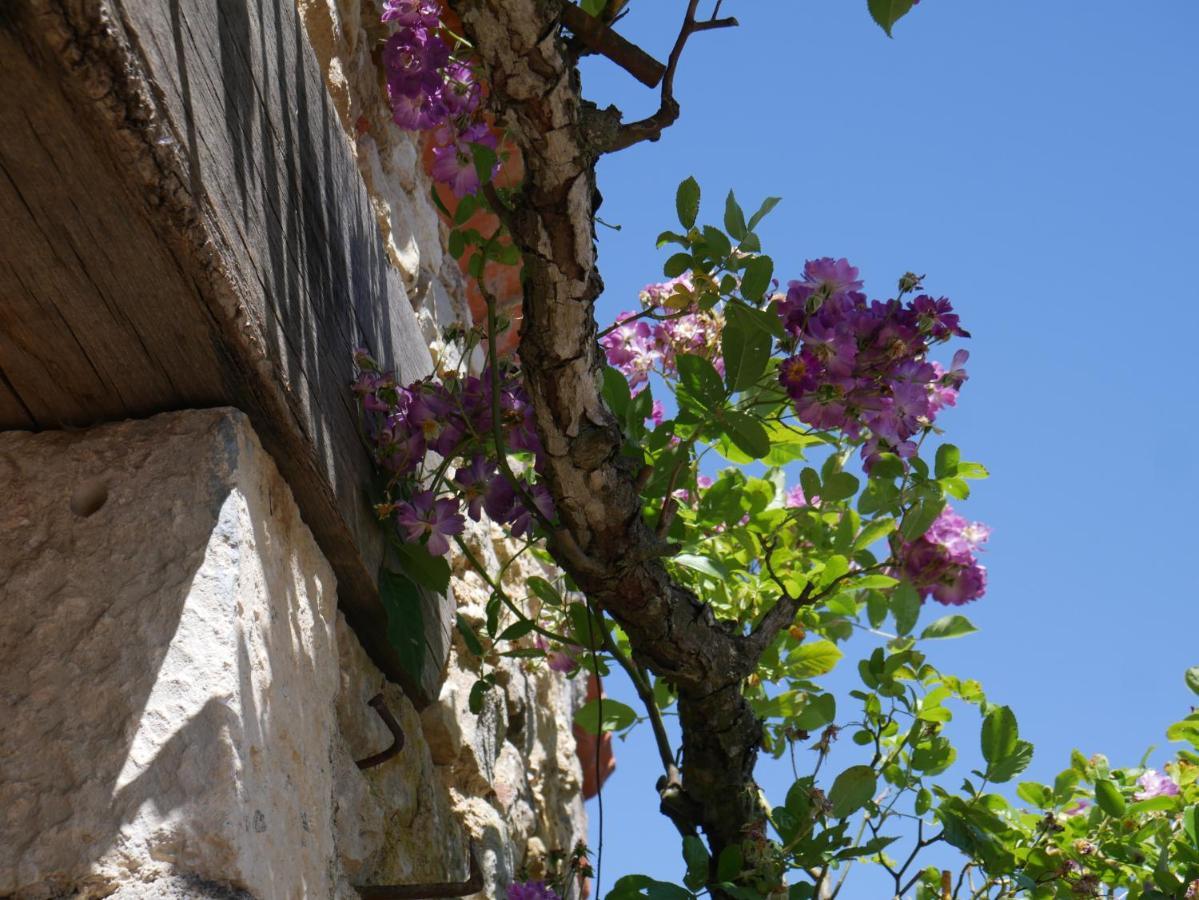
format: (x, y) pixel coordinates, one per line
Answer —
(202, 206)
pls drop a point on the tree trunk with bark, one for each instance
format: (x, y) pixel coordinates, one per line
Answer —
(603, 542)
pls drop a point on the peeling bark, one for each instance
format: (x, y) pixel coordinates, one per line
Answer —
(606, 546)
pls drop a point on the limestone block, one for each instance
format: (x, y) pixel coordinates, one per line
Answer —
(167, 631)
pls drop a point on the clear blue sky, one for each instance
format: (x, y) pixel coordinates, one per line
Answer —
(1039, 162)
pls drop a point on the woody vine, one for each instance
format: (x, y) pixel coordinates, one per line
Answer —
(725, 599)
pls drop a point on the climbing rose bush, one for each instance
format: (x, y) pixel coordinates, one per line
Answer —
(794, 452)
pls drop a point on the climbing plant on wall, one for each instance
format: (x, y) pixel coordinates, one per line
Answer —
(732, 479)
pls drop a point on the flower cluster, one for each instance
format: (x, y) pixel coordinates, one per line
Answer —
(637, 348)
(531, 890)
(861, 367)
(1154, 784)
(454, 419)
(431, 90)
(942, 561)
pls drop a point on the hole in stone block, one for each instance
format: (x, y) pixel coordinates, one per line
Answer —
(89, 497)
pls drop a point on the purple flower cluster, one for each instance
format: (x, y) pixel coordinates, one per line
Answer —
(1154, 784)
(454, 161)
(424, 86)
(637, 348)
(942, 561)
(531, 890)
(431, 90)
(861, 367)
(453, 418)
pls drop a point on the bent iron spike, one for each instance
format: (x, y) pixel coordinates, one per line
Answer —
(380, 706)
(423, 891)
(430, 891)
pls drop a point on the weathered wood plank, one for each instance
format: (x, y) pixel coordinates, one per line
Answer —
(183, 224)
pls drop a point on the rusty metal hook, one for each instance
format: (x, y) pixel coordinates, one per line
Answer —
(432, 890)
(380, 706)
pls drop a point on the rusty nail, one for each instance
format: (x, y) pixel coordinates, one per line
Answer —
(380, 706)
(431, 891)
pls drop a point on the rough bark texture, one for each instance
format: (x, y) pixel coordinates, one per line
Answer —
(606, 546)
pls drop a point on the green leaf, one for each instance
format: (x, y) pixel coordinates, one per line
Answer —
(905, 607)
(1192, 678)
(1035, 793)
(676, 265)
(972, 470)
(616, 392)
(999, 734)
(745, 346)
(948, 627)
(838, 486)
(710, 567)
(477, 692)
(467, 207)
(506, 254)
(718, 244)
(423, 567)
(817, 712)
(405, 620)
(686, 202)
(747, 433)
(516, 630)
(485, 159)
(634, 887)
(874, 582)
(1109, 798)
(1186, 730)
(606, 714)
(734, 218)
(700, 378)
(852, 790)
(1190, 824)
(586, 627)
(887, 12)
(764, 210)
(924, 800)
(874, 531)
(728, 866)
(1007, 769)
(809, 481)
(922, 514)
(695, 854)
(948, 458)
(543, 589)
(1153, 804)
(755, 280)
(473, 644)
(814, 658)
(593, 7)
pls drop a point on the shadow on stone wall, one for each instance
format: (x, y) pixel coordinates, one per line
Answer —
(169, 672)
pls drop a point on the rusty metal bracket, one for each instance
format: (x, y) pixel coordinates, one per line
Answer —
(380, 706)
(431, 890)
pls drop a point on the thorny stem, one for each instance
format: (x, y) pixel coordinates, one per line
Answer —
(651, 312)
(645, 692)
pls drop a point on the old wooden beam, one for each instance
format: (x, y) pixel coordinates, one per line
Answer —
(182, 224)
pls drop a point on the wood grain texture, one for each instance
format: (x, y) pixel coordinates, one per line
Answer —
(182, 224)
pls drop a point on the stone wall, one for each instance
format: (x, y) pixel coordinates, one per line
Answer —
(183, 702)
(184, 705)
